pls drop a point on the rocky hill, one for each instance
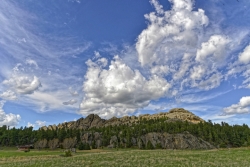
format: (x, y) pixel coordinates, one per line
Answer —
(94, 120)
(161, 130)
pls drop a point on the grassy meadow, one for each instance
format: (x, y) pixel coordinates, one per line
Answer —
(126, 157)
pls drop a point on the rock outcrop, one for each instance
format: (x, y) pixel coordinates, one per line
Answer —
(158, 140)
(176, 141)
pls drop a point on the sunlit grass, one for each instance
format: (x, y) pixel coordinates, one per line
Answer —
(128, 157)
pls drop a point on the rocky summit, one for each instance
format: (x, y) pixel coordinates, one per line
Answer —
(93, 120)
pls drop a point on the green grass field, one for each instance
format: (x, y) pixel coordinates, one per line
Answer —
(127, 157)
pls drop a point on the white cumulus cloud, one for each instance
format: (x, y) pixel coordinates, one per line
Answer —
(23, 84)
(213, 50)
(168, 36)
(30, 125)
(169, 46)
(40, 123)
(118, 90)
(244, 57)
(8, 119)
(242, 107)
(178, 45)
(8, 95)
(158, 7)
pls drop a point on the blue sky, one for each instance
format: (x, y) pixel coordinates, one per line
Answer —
(64, 60)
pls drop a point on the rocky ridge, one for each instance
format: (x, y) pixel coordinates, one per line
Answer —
(94, 120)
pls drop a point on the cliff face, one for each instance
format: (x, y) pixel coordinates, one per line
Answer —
(157, 140)
(94, 120)
(165, 140)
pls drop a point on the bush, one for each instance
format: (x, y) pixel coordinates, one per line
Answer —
(223, 145)
(84, 146)
(28, 150)
(68, 153)
(81, 146)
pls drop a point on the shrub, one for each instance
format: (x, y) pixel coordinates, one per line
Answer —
(81, 146)
(68, 153)
(28, 150)
(84, 146)
(223, 145)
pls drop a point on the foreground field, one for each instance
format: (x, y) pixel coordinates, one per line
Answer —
(227, 157)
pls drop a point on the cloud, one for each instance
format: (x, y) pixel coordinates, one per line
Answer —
(213, 50)
(175, 45)
(218, 118)
(157, 6)
(28, 90)
(40, 123)
(8, 119)
(21, 46)
(118, 90)
(244, 57)
(32, 63)
(19, 35)
(70, 102)
(241, 67)
(8, 95)
(180, 45)
(73, 92)
(210, 82)
(23, 84)
(19, 83)
(170, 35)
(180, 50)
(201, 96)
(242, 107)
(30, 125)
(43, 101)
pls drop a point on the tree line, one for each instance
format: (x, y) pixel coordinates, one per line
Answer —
(220, 135)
